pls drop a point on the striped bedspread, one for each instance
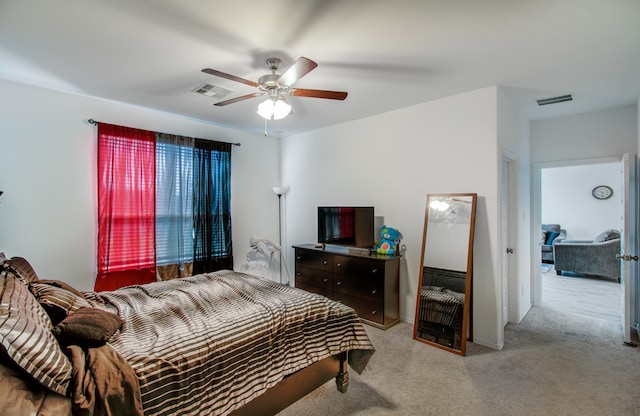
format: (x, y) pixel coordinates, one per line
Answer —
(210, 343)
(442, 308)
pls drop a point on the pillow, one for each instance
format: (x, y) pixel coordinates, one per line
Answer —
(57, 301)
(607, 235)
(543, 237)
(25, 334)
(87, 327)
(62, 285)
(551, 235)
(22, 268)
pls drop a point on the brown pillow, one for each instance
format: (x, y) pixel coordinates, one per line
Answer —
(87, 327)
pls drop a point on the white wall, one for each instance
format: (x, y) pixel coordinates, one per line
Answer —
(567, 199)
(392, 161)
(513, 139)
(48, 209)
(596, 134)
(594, 137)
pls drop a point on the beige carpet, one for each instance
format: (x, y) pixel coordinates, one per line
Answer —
(553, 363)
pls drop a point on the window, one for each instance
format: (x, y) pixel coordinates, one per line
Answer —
(174, 200)
(163, 200)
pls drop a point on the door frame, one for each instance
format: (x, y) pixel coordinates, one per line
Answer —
(536, 272)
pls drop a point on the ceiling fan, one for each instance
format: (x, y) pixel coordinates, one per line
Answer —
(275, 86)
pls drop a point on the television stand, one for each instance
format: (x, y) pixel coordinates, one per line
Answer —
(360, 278)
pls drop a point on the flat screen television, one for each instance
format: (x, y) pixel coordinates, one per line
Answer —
(346, 226)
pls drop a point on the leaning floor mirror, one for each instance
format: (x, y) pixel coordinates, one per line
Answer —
(443, 307)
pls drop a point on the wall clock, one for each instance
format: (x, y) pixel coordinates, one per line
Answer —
(602, 192)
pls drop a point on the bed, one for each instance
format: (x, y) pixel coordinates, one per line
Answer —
(218, 343)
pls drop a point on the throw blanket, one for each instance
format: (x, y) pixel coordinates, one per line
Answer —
(103, 383)
(210, 343)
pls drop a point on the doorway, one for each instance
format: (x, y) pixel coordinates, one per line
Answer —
(565, 198)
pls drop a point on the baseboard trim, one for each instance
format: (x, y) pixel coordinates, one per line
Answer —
(488, 344)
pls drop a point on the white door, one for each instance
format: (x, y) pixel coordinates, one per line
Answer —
(628, 255)
(508, 226)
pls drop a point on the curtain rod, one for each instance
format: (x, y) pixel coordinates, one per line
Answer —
(92, 121)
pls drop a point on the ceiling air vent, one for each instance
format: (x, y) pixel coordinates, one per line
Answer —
(555, 100)
(211, 90)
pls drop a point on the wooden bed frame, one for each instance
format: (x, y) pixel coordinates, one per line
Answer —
(298, 385)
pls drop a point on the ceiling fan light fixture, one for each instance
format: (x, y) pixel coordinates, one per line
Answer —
(274, 109)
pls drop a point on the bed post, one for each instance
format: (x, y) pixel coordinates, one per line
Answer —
(342, 379)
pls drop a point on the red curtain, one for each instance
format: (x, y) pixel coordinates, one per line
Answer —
(126, 207)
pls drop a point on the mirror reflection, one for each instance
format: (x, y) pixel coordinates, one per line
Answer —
(444, 291)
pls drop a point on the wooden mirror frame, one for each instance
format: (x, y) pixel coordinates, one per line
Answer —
(466, 312)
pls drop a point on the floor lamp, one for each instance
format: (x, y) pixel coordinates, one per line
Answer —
(279, 191)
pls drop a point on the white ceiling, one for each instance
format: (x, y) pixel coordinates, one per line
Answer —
(386, 54)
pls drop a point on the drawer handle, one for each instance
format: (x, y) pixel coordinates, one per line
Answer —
(374, 312)
(374, 271)
(324, 262)
(299, 258)
(298, 274)
(338, 283)
(326, 280)
(374, 291)
(339, 265)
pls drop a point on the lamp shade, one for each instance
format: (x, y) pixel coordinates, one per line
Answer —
(280, 190)
(271, 109)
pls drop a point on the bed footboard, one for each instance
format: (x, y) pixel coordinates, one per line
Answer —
(298, 385)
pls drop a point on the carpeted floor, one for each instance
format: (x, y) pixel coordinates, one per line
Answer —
(553, 363)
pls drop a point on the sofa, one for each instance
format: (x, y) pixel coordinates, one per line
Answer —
(550, 235)
(595, 257)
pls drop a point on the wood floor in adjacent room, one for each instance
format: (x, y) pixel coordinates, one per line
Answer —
(580, 294)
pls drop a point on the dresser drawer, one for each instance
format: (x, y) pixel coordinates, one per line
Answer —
(314, 259)
(313, 277)
(366, 287)
(370, 311)
(314, 289)
(357, 266)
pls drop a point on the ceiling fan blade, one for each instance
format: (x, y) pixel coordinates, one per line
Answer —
(297, 70)
(228, 76)
(242, 98)
(332, 95)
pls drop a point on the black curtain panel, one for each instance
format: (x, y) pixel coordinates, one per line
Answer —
(213, 249)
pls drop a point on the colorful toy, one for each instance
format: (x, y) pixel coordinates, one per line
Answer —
(389, 242)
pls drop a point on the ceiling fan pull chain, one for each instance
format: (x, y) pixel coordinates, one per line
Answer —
(265, 127)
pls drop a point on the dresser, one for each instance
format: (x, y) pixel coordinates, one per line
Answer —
(368, 283)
